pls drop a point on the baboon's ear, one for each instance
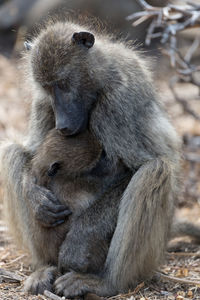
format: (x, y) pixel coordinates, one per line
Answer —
(28, 45)
(83, 38)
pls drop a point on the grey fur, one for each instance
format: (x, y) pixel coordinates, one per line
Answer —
(135, 133)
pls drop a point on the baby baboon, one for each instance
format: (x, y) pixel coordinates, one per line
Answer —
(63, 164)
(85, 82)
(68, 167)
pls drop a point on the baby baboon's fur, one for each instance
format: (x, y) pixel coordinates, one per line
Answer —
(65, 156)
(85, 82)
(63, 164)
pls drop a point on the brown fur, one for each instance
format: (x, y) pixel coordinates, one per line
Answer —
(75, 155)
(70, 184)
(111, 87)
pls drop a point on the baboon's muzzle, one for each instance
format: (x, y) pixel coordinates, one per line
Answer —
(71, 116)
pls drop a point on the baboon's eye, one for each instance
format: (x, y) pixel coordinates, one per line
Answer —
(53, 169)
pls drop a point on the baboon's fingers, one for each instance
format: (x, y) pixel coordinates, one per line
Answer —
(58, 223)
(58, 208)
(74, 284)
(38, 194)
(48, 218)
(46, 208)
(51, 197)
(49, 224)
(40, 280)
(48, 195)
(69, 285)
(60, 215)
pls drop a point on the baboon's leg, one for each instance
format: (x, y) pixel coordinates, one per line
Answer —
(92, 231)
(140, 236)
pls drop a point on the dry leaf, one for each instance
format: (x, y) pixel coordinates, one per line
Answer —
(181, 293)
(179, 297)
(182, 272)
(190, 294)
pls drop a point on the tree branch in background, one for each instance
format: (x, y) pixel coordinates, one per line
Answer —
(165, 23)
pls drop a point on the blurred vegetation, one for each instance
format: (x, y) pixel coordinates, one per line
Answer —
(20, 18)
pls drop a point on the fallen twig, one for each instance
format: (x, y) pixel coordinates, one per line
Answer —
(184, 254)
(7, 276)
(16, 259)
(179, 280)
(51, 295)
(128, 295)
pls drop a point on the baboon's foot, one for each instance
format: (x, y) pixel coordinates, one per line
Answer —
(41, 280)
(74, 284)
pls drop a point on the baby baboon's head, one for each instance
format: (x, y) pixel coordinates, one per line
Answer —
(61, 155)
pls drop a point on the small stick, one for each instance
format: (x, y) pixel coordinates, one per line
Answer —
(5, 256)
(179, 280)
(51, 295)
(192, 49)
(128, 295)
(16, 259)
(7, 276)
(185, 254)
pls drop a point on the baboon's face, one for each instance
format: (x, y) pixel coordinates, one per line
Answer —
(59, 65)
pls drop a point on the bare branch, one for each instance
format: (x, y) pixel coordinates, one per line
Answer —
(183, 102)
(192, 49)
(165, 23)
(144, 4)
(179, 280)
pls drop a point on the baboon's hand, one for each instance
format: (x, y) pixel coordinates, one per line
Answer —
(41, 280)
(46, 208)
(74, 284)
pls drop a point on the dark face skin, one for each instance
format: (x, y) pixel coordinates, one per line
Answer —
(72, 110)
(71, 114)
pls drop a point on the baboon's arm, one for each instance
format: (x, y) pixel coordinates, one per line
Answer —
(22, 193)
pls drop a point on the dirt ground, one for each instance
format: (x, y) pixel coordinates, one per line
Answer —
(182, 266)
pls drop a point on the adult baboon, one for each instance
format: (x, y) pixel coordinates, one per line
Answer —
(104, 87)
